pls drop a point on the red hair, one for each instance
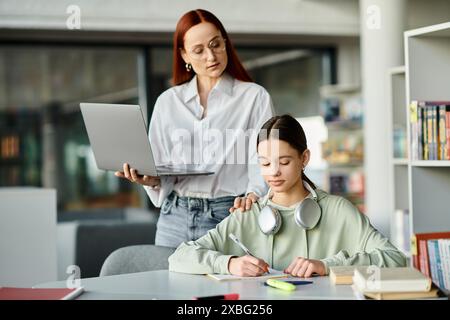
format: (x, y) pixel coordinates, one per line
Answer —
(187, 21)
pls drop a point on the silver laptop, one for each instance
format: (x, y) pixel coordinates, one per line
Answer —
(118, 135)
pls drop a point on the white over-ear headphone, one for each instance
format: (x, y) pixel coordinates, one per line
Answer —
(307, 213)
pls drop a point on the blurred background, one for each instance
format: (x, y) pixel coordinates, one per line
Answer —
(322, 61)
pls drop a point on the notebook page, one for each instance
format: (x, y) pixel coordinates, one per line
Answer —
(273, 274)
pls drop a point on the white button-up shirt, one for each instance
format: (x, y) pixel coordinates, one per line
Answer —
(224, 141)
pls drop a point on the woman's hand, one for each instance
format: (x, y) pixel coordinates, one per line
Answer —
(244, 203)
(133, 176)
(247, 266)
(302, 267)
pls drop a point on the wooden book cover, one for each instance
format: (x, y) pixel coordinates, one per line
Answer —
(433, 293)
(343, 274)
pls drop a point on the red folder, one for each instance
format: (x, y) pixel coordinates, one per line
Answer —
(9, 293)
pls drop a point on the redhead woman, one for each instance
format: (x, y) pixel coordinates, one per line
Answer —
(206, 119)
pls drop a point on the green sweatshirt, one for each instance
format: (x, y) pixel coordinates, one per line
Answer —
(342, 237)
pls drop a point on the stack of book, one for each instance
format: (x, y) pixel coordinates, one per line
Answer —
(393, 284)
(431, 255)
(430, 130)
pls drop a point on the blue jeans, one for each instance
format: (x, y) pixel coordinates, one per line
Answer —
(184, 218)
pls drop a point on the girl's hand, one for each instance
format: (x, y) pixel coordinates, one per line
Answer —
(244, 203)
(302, 267)
(247, 266)
(132, 175)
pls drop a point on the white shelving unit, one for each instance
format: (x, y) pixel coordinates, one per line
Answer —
(420, 187)
(398, 164)
(430, 163)
(427, 70)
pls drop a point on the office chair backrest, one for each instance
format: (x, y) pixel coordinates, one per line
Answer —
(136, 259)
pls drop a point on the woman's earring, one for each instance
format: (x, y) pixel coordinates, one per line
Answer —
(188, 67)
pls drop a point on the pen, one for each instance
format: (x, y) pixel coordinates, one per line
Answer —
(229, 296)
(236, 240)
(239, 243)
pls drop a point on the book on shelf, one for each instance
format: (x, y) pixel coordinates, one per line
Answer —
(434, 128)
(431, 255)
(13, 293)
(420, 133)
(330, 109)
(9, 146)
(447, 133)
(413, 121)
(424, 265)
(348, 184)
(438, 256)
(442, 142)
(430, 130)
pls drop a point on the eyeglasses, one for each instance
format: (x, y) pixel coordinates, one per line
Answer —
(216, 45)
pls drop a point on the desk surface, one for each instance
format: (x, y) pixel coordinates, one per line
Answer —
(163, 284)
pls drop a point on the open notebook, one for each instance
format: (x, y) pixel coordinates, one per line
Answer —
(273, 274)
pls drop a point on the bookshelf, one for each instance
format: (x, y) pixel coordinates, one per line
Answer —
(430, 163)
(427, 71)
(419, 188)
(19, 148)
(399, 162)
(341, 108)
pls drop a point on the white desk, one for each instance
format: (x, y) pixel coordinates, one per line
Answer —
(163, 284)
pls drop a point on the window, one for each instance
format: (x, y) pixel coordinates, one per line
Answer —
(43, 141)
(42, 132)
(293, 77)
